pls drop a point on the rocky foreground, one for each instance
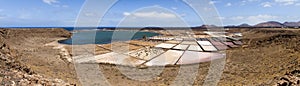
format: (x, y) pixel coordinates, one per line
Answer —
(268, 57)
(25, 61)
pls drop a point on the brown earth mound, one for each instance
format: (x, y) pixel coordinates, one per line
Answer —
(267, 53)
(19, 65)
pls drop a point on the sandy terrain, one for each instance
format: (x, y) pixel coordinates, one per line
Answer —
(31, 52)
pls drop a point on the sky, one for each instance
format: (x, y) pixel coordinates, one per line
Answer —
(66, 13)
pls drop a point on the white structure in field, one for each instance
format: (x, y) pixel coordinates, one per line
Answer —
(168, 58)
(181, 47)
(165, 45)
(207, 46)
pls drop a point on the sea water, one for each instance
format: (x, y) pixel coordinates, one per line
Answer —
(104, 37)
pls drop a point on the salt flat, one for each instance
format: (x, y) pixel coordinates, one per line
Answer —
(181, 47)
(165, 45)
(146, 53)
(168, 58)
(194, 48)
(192, 57)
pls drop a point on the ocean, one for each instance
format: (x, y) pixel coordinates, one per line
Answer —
(104, 37)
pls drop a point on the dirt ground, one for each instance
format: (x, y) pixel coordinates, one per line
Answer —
(266, 54)
(31, 52)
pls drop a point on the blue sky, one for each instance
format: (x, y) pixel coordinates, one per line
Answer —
(47, 13)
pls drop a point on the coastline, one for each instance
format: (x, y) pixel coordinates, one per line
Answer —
(107, 36)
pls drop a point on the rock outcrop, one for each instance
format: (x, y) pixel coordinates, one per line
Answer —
(289, 79)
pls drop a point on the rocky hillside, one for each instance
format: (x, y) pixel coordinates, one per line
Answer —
(14, 44)
(244, 25)
(269, 57)
(292, 24)
(269, 24)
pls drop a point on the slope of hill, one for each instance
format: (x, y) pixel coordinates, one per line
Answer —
(292, 24)
(244, 25)
(17, 57)
(269, 24)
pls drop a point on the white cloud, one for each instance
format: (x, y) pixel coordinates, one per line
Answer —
(298, 4)
(254, 19)
(237, 18)
(55, 3)
(266, 4)
(126, 13)
(183, 15)
(261, 18)
(24, 16)
(207, 8)
(222, 18)
(228, 4)
(212, 2)
(244, 2)
(153, 14)
(286, 2)
(50, 2)
(2, 16)
(65, 6)
(253, 0)
(174, 8)
(89, 14)
(156, 5)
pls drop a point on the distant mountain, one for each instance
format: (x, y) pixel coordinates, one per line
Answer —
(208, 26)
(244, 25)
(152, 28)
(269, 24)
(291, 24)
